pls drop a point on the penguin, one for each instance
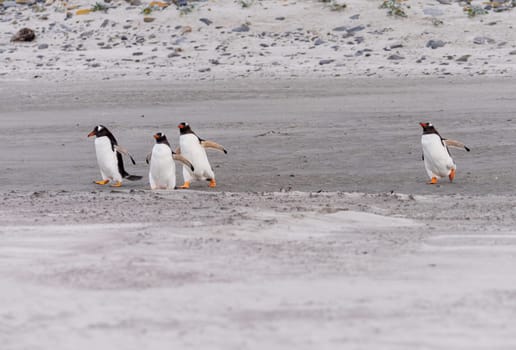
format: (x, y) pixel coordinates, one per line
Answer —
(162, 170)
(192, 147)
(436, 155)
(109, 157)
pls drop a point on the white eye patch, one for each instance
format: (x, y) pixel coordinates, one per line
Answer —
(99, 128)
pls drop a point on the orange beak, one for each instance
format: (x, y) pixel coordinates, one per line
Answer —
(156, 136)
(91, 134)
(180, 126)
(422, 125)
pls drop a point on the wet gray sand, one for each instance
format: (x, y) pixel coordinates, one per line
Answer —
(334, 135)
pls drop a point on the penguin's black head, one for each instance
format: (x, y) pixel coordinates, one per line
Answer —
(99, 131)
(184, 128)
(160, 138)
(428, 128)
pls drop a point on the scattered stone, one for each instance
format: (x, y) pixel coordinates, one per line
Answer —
(395, 57)
(357, 16)
(280, 18)
(205, 21)
(512, 53)
(138, 53)
(318, 42)
(481, 40)
(214, 61)
(241, 29)
(323, 62)
(24, 34)
(204, 70)
(148, 19)
(356, 29)
(173, 54)
(104, 24)
(340, 29)
(434, 44)
(463, 58)
(186, 29)
(42, 46)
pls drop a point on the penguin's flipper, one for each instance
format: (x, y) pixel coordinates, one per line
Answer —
(456, 144)
(148, 158)
(125, 152)
(211, 144)
(183, 160)
(177, 151)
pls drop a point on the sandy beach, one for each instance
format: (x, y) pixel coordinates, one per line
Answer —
(321, 233)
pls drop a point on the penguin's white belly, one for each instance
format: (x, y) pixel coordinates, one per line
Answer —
(106, 159)
(162, 173)
(437, 159)
(192, 150)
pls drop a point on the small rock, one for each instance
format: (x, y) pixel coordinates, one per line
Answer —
(241, 29)
(318, 42)
(204, 70)
(434, 44)
(148, 19)
(24, 34)
(323, 62)
(357, 16)
(280, 18)
(340, 29)
(104, 24)
(512, 53)
(138, 53)
(481, 40)
(42, 46)
(463, 58)
(205, 21)
(356, 29)
(395, 57)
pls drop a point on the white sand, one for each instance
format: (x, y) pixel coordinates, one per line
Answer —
(272, 48)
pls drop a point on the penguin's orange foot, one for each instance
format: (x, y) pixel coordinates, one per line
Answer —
(213, 184)
(452, 175)
(101, 182)
(185, 186)
(433, 181)
(117, 184)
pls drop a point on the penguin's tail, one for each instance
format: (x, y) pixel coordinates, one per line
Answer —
(132, 177)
